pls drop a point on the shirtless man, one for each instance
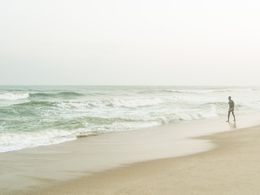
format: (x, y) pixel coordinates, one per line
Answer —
(231, 108)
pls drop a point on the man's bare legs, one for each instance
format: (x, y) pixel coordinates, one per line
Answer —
(228, 116)
(234, 117)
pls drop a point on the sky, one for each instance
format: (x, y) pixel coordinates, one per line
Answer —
(129, 42)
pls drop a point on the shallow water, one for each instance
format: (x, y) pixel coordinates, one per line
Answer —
(32, 116)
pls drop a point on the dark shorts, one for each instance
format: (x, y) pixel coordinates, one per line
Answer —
(231, 110)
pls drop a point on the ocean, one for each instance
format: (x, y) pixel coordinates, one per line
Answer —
(32, 116)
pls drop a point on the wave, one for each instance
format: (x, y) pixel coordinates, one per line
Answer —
(135, 102)
(65, 94)
(26, 109)
(41, 117)
(35, 103)
(224, 105)
(65, 130)
(18, 141)
(123, 103)
(13, 96)
(203, 91)
(220, 104)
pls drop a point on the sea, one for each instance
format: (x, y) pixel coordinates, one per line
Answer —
(32, 116)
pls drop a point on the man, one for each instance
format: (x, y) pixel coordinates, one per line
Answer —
(231, 108)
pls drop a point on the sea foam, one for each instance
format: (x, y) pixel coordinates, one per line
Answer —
(34, 116)
(13, 96)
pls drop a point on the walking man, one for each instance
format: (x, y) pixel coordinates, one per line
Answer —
(231, 108)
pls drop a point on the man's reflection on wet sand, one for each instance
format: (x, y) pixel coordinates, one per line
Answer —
(233, 125)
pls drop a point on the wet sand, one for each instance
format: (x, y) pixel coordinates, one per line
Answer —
(139, 162)
(231, 168)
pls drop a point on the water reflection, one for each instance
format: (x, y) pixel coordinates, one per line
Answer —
(232, 125)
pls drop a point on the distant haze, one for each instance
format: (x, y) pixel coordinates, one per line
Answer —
(135, 42)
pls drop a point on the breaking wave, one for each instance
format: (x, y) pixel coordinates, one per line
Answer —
(35, 116)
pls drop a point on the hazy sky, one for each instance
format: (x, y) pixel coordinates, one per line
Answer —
(119, 42)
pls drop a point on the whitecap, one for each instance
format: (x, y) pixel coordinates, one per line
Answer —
(13, 96)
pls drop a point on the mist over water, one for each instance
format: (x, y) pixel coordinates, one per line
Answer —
(33, 116)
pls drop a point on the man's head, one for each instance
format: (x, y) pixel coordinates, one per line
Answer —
(229, 97)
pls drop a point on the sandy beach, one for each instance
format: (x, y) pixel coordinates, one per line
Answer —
(231, 168)
(183, 158)
(129, 97)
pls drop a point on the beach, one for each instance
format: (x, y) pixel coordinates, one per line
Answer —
(32, 116)
(129, 97)
(181, 158)
(231, 168)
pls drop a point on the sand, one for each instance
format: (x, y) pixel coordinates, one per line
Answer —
(172, 159)
(231, 168)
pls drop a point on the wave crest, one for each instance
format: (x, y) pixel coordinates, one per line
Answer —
(65, 94)
(13, 96)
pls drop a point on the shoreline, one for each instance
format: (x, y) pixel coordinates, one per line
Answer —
(231, 168)
(33, 169)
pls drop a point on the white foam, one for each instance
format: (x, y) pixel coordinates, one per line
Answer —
(136, 102)
(117, 111)
(13, 96)
(18, 140)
